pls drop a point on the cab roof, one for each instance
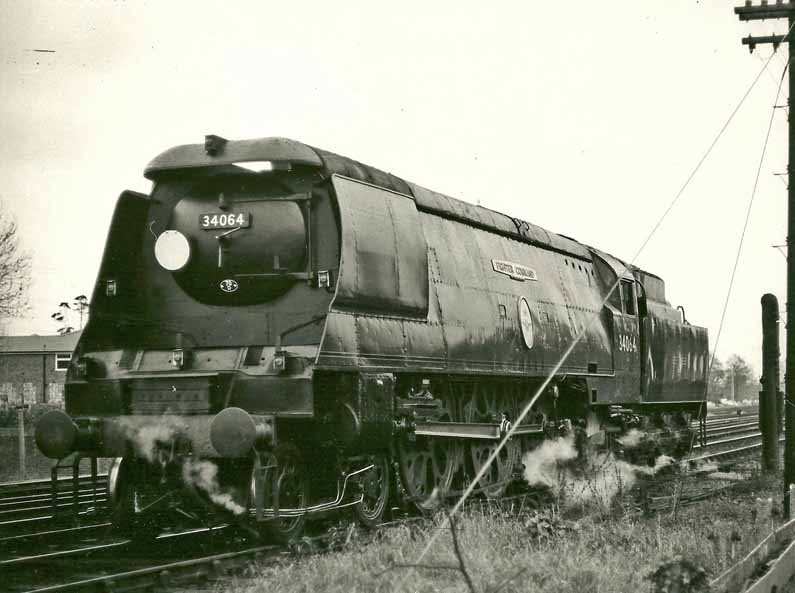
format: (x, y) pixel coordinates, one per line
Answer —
(217, 151)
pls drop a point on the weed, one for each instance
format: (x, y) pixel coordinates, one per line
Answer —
(541, 550)
(679, 576)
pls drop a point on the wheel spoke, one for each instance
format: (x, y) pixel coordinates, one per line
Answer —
(375, 491)
(484, 404)
(427, 468)
(289, 481)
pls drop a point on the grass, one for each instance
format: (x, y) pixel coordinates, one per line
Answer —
(577, 552)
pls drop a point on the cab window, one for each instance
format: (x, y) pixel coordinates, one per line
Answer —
(628, 297)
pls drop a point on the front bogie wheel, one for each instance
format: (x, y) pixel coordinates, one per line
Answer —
(284, 479)
(374, 485)
(123, 499)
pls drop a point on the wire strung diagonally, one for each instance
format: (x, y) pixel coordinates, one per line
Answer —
(678, 489)
(592, 319)
(777, 83)
(745, 225)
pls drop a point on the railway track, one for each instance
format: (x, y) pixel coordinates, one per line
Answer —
(178, 561)
(699, 484)
(171, 561)
(31, 504)
(93, 562)
(90, 558)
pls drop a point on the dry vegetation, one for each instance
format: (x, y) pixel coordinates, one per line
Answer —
(579, 550)
(14, 269)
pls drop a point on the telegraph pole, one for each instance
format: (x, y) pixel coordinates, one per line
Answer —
(768, 412)
(783, 10)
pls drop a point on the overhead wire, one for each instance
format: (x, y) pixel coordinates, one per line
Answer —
(745, 223)
(736, 262)
(772, 77)
(586, 327)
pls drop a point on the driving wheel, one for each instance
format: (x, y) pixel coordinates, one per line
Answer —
(485, 405)
(427, 467)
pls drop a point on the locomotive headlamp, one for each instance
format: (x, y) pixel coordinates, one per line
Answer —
(81, 367)
(86, 367)
(172, 250)
(279, 362)
(178, 358)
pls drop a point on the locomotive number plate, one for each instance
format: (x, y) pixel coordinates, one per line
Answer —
(225, 220)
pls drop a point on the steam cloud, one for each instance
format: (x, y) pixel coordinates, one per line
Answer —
(631, 439)
(149, 438)
(541, 464)
(204, 475)
(603, 478)
(706, 466)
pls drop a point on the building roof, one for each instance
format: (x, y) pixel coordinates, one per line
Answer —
(56, 343)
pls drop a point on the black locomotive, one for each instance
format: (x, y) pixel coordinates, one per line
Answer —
(276, 327)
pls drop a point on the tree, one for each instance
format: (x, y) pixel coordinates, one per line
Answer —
(740, 373)
(80, 306)
(716, 380)
(61, 318)
(14, 269)
(735, 378)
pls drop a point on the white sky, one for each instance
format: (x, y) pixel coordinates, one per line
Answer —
(582, 117)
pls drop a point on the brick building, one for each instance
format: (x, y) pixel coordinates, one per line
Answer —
(33, 368)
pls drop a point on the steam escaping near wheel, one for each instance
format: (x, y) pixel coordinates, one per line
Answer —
(148, 439)
(541, 464)
(659, 463)
(631, 439)
(598, 482)
(203, 475)
(706, 466)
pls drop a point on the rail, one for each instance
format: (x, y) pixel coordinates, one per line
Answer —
(32, 500)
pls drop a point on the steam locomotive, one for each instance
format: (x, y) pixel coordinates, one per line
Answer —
(280, 331)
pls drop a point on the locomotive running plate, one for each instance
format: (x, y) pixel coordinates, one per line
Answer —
(225, 220)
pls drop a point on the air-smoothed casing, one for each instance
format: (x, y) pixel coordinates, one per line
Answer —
(420, 283)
